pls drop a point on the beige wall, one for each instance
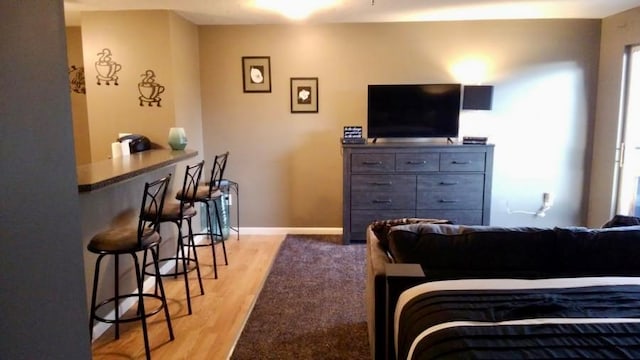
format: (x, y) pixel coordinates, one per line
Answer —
(618, 32)
(185, 66)
(78, 100)
(138, 41)
(289, 165)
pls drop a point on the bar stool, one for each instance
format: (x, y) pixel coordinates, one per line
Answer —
(131, 241)
(177, 213)
(207, 195)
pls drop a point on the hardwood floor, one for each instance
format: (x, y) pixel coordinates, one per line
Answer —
(218, 315)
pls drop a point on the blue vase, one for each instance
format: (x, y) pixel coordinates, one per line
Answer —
(177, 138)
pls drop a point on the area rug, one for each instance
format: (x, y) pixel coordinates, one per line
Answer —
(311, 305)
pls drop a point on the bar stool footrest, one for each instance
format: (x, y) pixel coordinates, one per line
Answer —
(137, 317)
(172, 273)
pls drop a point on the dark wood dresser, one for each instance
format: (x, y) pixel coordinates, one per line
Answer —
(397, 180)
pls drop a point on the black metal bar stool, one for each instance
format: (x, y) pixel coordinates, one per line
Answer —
(209, 194)
(177, 213)
(131, 241)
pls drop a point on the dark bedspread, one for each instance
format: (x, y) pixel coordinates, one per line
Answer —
(515, 319)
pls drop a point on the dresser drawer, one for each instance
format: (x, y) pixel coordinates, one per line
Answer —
(450, 191)
(463, 161)
(390, 183)
(459, 217)
(383, 200)
(418, 162)
(372, 163)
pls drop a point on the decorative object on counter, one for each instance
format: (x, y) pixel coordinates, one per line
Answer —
(107, 68)
(120, 148)
(256, 73)
(149, 89)
(116, 150)
(126, 150)
(177, 138)
(304, 95)
(76, 79)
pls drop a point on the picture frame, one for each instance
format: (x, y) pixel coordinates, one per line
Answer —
(304, 95)
(256, 74)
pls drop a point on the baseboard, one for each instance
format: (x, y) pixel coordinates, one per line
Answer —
(290, 230)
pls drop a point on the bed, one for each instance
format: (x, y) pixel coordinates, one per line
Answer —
(562, 318)
(441, 291)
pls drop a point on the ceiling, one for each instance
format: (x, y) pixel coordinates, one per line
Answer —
(224, 12)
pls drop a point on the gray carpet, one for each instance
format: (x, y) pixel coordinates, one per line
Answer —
(312, 304)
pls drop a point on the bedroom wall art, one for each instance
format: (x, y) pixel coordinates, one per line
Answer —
(107, 68)
(304, 95)
(149, 89)
(256, 73)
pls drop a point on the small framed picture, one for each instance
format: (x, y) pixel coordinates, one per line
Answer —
(304, 95)
(352, 132)
(256, 73)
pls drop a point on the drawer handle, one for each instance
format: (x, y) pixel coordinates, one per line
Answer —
(416, 162)
(449, 183)
(388, 183)
(372, 163)
(461, 162)
(382, 201)
(445, 201)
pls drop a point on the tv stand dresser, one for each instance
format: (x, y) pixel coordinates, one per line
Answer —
(399, 180)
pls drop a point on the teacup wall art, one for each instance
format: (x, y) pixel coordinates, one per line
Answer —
(149, 89)
(107, 68)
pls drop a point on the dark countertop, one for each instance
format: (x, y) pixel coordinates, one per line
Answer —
(99, 174)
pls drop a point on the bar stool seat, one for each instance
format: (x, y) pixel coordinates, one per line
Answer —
(131, 241)
(122, 240)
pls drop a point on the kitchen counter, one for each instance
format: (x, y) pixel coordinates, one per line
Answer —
(102, 173)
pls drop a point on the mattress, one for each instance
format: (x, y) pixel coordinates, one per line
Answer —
(588, 317)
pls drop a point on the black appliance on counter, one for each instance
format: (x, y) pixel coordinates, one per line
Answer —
(138, 142)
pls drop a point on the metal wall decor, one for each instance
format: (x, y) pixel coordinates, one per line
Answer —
(107, 68)
(76, 79)
(304, 95)
(256, 73)
(149, 89)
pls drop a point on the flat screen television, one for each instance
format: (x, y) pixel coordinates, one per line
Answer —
(413, 110)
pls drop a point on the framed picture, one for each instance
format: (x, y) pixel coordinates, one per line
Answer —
(256, 73)
(304, 95)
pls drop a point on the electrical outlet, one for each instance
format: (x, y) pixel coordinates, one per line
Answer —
(547, 199)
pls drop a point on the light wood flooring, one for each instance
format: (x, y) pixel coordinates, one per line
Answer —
(218, 315)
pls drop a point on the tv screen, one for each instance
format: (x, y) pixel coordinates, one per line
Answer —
(417, 110)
